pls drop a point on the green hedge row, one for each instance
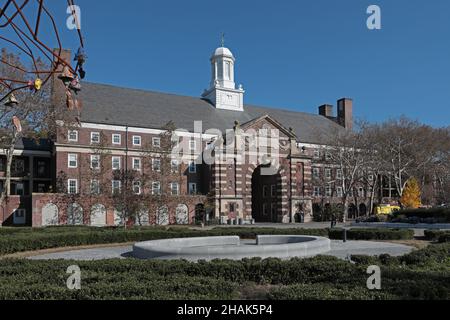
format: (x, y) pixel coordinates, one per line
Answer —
(372, 234)
(436, 235)
(321, 277)
(23, 239)
(441, 214)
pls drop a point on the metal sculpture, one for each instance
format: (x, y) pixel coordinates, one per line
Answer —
(24, 21)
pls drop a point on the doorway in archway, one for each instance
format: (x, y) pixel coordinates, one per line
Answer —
(266, 196)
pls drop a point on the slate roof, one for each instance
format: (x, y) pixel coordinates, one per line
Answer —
(105, 104)
(35, 145)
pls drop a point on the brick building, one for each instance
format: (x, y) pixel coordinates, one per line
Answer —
(122, 121)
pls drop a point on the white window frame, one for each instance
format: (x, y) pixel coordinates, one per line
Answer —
(316, 172)
(156, 183)
(192, 188)
(120, 162)
(156, 142)
(94, 156)
(140, 164)
(154, 160)
(69, 133)
(115, 135)
(273, 190)
(339, 174)
(119, 187)
(68, 161)
(316, 154)
(68, 186)
(328, 191)
(140, 141)
(177, 188)
(328, 173)
(92, 137)
(137, 184)
(339, 192)
(174, 165)
(95, 183)
(316, 192)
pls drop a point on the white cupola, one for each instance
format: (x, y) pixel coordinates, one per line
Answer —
(223, 93)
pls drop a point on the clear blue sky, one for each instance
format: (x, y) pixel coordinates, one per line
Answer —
(290, 54)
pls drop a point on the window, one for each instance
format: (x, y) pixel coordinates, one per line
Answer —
(227, 70)
(192, 188)
(19, 216)
(316, 191)
(95, 161)
(116, 138)
(72, 160)
(156, 142)
(174, 165)
(273, 191)
(18, 166)
(273, 210)
(2, 164)
(192, 145)
(72, 186)
(116, 163)
(156, 165)
(72, 136)
(339, 192)
(327, 156)
(156, 188)
(95, 187)
(41, 168)
(328, 173)
(95, 137)
(370, 177)
(339, 174)
(175, 188)
(137, 164)
(316, 173)
(41, 188)
(360, 192)
(265, 209)
(137, 187)
(192, 167)
(116, 185)
(20, 189)
(137, 141)
(328, 192)
(316, 154)
(265, 191)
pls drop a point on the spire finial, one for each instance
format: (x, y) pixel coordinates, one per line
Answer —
(222, 40)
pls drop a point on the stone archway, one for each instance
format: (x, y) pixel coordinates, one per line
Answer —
(50, 215)
(98, 215)
(162, 216)
(362, 209)
(75, 215)
(266, 194)
(182, 214)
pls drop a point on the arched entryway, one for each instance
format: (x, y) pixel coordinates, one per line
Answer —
(266, 196)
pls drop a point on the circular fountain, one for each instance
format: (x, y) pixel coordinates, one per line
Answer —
(232, 247)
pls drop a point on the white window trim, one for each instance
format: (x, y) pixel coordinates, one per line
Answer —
(93, 156)
(112, 185)
(68, 161)
(68, 136)
(178, 188)
(140, 141)
(76, 186)
(140, 164)
(92, 135)
(97, 191)
(112, 163)
(116, 135)
(156, 139)
(153, 187)
(153, 164)
(192, 184)
(137, 183)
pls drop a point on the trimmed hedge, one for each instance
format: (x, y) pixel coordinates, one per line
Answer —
(321, 277)
(28, 239)
(372, 234)
(436, 235)
(433, 215)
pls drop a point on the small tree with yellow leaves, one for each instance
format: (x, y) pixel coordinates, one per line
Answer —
(411, 195)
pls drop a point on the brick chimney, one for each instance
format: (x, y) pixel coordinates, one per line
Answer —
(58, 89)
(345, 113)
(326, 110)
